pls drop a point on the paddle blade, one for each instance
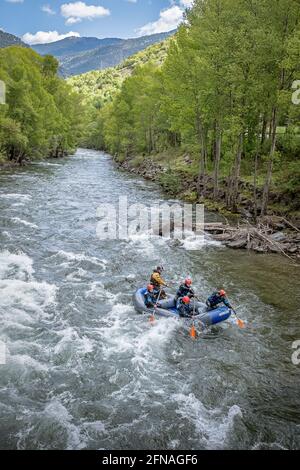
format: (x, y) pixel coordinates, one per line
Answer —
(152, 319)
(193, 332)
(241, 323)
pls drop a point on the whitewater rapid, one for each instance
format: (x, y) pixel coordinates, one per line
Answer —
(83, 371)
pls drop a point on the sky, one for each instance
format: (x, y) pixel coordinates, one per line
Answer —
(40, 21)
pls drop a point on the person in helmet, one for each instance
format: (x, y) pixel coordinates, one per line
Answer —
(186, 289)
(184, 307)
(158, 282)
(150, 297)
(216, 299)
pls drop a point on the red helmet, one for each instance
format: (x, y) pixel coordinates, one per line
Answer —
(150, 288)
(222, 293)
(188, 282)
(186, 300)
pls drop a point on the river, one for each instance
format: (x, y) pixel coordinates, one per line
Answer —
(83, 371)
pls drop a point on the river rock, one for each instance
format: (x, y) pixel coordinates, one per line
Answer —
(278, 236)
(258, 249)
(292, 249)
(240, 243)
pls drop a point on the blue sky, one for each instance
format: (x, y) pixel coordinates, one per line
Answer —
(38, 21)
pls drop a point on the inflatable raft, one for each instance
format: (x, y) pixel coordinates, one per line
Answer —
(167, 308)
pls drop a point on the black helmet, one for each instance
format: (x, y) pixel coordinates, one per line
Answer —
(159, 269)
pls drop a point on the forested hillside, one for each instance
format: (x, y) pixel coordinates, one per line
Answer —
(218, 114)
(43, 117)
(100, 86)
(7, 40)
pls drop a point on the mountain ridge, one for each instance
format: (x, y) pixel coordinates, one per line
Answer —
(80, 55)
(8, 39)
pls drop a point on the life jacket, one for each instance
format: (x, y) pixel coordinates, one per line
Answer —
(150, 299)
(185, 310)
(216, 299)
(184, 291)
(156, 280)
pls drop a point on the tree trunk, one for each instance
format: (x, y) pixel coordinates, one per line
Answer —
(202, 144)
(237, 171)
(264, 130)
(255, 186)
(266, 190)
(218, 144)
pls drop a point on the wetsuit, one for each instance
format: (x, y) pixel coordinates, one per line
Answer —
(150, 299)
(185, 310)
(185, 291)
(216, 299)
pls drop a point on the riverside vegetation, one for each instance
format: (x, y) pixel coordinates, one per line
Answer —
(43, 117)
(207, 113)
(214, 120)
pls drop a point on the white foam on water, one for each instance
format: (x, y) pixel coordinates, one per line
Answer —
(17, 220)
(18, 264)
(78, 257)
(45, 164)
(143, 242)
(25, 363)
(98, 291)
(71, 342)
(20, 197)
(7, 235)
(142, 340)
(115, 339)
(94, 430)
(212, 426)
(143, 346)
(56, 417)
(193, 242)
(25, 297)
(269, 446)
(77, 276)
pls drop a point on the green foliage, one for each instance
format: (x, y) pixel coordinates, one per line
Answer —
(170, 182)
(223, 94)
(42, 116)
(290, 179)
(100, 86)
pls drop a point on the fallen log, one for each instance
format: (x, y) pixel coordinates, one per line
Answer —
(259, 238)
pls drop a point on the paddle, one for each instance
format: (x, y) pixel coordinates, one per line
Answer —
(241, 324)
(152, 318)
(193, 332)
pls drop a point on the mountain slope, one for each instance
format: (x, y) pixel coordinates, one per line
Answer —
(99, 86)
(7, 40)
(80, 55)
(73, 45)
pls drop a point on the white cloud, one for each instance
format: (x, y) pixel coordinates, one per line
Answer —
(186, 3)
(169, 19)
(47, 9)
(42, 37)
(77, 11)
(14, 1)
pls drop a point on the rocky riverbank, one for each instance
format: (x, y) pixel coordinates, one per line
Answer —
(270, 234)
